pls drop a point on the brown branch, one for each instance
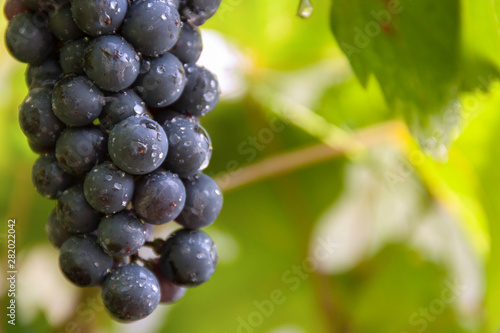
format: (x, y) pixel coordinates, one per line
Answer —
(388, 132)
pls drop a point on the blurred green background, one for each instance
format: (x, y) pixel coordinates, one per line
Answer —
(361, 181)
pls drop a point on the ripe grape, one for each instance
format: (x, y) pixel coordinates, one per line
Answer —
(76, 100)
(130, 293)
(74, 212)
(83, 261)
(28, 38)
(203, 202)
(121, 234)
(138, 145)
(159, 197)
(48, 177)
(111, 63)
(152, 26)
(188, 258)
(108, 189)
(163, 83)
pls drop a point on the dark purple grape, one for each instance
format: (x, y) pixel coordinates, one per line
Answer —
(102, 17)
(55, 231)
(152, 26)
(138, 145)
(130, 293)
(71, 56)
(28, 38)
(190, 147)
(79, 149)
(108, 189)
(163, 83)
(77, 101)
(159, 197)
(74, 213)
(203, 202)
(111, 63)
(119, 107)
(201, 94)
(83, 262)
(189, 45)
(188, 258)
(38, 121)
(122, 234)
(49, 178)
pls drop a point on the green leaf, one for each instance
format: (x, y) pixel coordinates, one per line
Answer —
(414, 59)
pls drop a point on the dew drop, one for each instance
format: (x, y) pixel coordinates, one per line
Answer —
(305, 9)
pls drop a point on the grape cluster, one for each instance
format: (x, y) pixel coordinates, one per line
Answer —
(115, 97)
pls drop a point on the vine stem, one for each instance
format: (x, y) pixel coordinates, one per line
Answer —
(387, 132)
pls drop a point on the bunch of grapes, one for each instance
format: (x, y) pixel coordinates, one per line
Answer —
(113, 109)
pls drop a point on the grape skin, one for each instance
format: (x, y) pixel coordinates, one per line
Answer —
(108, 189)
(130, 293)
(111, 63)
(49, 178)
(159, 197)
(138, 145)
(203, 202)
(27, 40)
(74, 212)
(164, 83)
(152, 26)
(188, 258)
(83, 262)
(37, 120)
(122, 234)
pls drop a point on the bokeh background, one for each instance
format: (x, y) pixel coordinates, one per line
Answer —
(335, 220)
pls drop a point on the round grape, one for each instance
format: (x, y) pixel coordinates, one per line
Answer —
(49, 178)
(44, 75)
(77, 101)
(164, 83)
(28, 39)
(130, 293)
(201, 93)
(83, 262)
(37, 119)
(74, 212)
(55, 231)
(71, 56)
(99, 17)
(189, 46)
(108, 189)
(152, 26)
(203, 202)
(122, 234)
(111, 63)
(119, 107)
(190, 147)
(79, 149)
(62, 25)
(138, 145)
(188, 258)
(198, 12)
(159, 197)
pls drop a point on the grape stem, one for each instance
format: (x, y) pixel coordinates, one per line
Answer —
(156, 245)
